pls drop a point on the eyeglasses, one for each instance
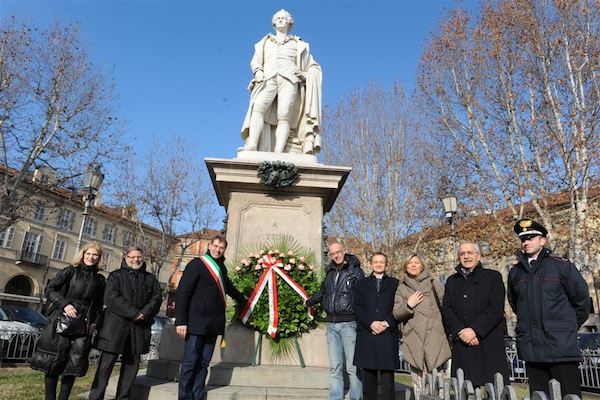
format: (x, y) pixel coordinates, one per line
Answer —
(133, 257)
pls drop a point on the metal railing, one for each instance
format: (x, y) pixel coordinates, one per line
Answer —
(589, 367)
(17, 346)
(32, 257)
(457, 388)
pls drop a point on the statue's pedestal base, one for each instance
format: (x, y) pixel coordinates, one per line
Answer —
(258, 213)
(241, 343)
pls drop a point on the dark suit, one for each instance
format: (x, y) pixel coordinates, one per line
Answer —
(200, 306)
(476, 301)
(376, 352)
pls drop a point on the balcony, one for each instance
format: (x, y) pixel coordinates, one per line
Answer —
(30, 257)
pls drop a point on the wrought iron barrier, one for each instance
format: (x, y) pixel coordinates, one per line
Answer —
(460, 389)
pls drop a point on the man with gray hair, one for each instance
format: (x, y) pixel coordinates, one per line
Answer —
(132, 298)
(473, 314)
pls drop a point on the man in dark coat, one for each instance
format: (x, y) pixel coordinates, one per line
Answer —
(132, 298)
(337, 296)
(473, 313)
(200, 315)
(551, 300)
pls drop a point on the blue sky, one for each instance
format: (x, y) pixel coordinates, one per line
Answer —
(182, 67)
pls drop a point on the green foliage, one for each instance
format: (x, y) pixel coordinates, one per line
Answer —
(298, 264)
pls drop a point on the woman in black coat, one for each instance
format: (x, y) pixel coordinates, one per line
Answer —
(77, 289)
(377, 331)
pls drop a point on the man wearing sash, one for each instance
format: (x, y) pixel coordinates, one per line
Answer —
(200, 315)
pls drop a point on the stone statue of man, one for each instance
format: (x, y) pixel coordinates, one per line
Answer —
(285, 104)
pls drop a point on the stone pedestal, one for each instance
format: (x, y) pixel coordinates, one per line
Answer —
(257, 213)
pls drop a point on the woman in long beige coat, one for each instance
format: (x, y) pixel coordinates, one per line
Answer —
(424, 342)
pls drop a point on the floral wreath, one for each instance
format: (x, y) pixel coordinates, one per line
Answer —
(278, 278)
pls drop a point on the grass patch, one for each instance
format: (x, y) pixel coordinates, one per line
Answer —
(23, 383)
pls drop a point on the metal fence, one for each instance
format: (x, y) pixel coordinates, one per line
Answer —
(17, 346)
(457, 388)
(589, 367)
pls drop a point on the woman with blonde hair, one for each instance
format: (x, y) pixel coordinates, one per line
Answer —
(76, 290)
(417, 304)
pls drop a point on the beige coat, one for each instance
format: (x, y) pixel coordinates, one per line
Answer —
(424, 342)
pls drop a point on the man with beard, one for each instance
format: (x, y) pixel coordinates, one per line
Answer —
(132, 298)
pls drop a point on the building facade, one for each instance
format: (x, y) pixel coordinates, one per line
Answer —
(34, 249)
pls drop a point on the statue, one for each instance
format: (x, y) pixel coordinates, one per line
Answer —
(285, 102)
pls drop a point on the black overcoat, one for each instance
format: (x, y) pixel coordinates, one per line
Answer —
(57, 354)
(477, 301)
(129, 291)
(380, 351)
(198, 302)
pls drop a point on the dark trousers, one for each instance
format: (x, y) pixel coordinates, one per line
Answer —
(197, 353)
(129, 368)
(566, 373)
(388, 389)
(66, 384)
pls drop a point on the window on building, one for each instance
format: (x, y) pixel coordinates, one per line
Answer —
(160, 247)
(60, 248)
(32, 243)
(6, 237)
(91, 227)
(106, 258)
(109, 233)
(146, 244)
(40, 211)
(127, 239)
(66, 219)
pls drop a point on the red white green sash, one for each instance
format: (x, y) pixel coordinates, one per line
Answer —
(215, 271)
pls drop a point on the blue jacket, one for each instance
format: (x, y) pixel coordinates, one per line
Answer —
(551, 300)
(337, 290)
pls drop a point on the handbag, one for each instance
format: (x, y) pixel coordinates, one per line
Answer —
(439, 304)
(72, 327)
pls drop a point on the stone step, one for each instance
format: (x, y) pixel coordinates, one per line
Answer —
(270, 376)
(146, 389)
(245, 375)
(232, 382)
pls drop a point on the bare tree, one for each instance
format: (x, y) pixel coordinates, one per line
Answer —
(170, 192)
(515, 94)
(56, 111)
(390, 192)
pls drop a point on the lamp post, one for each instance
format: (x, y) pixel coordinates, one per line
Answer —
(450, 208)
(92, 179)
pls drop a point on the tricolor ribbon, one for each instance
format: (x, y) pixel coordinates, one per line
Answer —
(267, 279)
(215, 271)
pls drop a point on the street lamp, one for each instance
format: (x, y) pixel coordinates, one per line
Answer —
(450, 208)
(92, 179)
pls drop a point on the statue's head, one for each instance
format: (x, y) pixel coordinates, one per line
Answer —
(283, 14)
